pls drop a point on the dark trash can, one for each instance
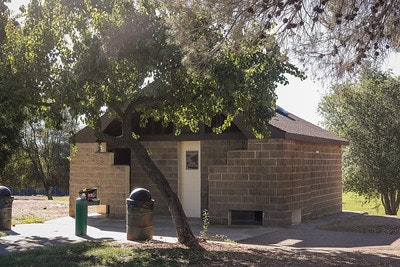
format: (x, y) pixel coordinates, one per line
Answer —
(139, 207)
(5, 208)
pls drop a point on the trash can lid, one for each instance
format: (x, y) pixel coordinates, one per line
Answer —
(4, 191)
(140, 194)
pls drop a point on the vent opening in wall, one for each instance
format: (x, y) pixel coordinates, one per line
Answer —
(296, 216)
(246, 217)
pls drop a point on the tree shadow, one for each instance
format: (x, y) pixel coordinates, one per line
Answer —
(366, 231)
(107, 224)
(31, 242)
(365, 223)
(179, 256)
(14, 243)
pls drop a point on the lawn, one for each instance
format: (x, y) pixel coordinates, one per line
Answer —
(162, 254)
(99, 254)
(354, 202)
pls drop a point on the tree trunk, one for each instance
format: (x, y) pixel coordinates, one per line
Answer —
(47, 188)
(391, 201)
(183, 230)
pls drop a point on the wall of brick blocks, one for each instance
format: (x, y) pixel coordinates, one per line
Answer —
(278, 177)
(89, 168)
(215, 152)
(165, 156)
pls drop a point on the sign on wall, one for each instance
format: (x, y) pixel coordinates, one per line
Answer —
(192, 160)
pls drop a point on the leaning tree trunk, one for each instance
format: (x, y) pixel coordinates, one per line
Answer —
(391, 201)
(183, 230)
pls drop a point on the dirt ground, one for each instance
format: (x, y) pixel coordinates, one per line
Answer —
(244, 255)
(38, 206)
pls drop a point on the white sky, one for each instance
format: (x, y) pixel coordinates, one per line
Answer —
(302, 97)
(299, 97)
(15, 4)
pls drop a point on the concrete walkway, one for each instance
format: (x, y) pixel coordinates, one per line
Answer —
(302, 236)
(62, 231)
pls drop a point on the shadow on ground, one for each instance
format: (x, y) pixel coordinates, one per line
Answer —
(332, 232)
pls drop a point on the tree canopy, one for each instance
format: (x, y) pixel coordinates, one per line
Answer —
(367, 113)
(330, 37)
(11, 114)
(115, 58)
(23, 75)
(40, 160)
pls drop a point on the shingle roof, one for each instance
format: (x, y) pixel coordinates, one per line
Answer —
(288, 126)
(283, 125)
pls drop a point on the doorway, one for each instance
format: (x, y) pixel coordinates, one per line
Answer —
(189, 177)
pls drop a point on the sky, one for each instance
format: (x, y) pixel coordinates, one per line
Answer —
(15, 4)
(299, 97)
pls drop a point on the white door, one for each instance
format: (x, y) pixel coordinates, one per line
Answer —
(189, 177)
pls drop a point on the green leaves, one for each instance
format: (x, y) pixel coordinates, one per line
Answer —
(97, 57)
(368, 115)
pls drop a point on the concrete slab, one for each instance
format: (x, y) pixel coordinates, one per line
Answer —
(301, 236)
(62, 231)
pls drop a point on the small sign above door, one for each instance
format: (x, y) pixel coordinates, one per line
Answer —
(192, 160)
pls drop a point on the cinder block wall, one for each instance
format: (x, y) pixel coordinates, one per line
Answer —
(275, 176)
(89, 168)
(326, 180)
(278, 177)
(165, 156)
(215, 152)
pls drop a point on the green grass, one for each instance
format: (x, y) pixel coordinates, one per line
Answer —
(109, 254)
(27, 219)
(354, 202)
(62, 199)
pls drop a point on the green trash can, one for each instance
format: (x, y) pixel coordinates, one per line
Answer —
(139, 207)
(5, 208)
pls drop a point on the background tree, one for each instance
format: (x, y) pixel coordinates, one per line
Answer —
(367, 113)
(17, 172)
(47, 151)
(11, 113)
(41, 158)
(23, 75)
(112, 58)
(330, 37)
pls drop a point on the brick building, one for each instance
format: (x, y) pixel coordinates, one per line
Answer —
(293, 176)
